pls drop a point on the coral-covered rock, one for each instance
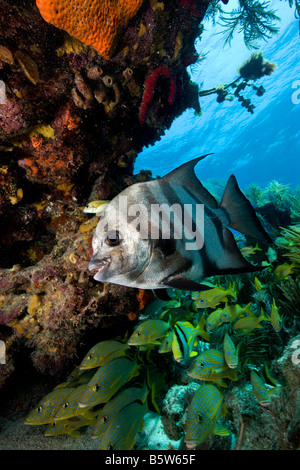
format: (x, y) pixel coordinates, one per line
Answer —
(97, 24)
(71, 127)
(275, 427)
(52, 302)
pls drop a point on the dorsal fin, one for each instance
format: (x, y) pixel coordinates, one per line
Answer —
(185, 176)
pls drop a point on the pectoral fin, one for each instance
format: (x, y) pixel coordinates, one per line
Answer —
(161, 294)
(220, 382)
(88, 414)
(220, 430)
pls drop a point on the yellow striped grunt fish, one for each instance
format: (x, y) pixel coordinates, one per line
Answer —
(257, 284)
(214, 319)
(76, 378)
(149, 332)
(230, 352)
(284, 270)
(232, 312)
(166, 343)
(202, 415)
(108, 380)
(69, 407)
(122, 431)
(103, 352)
(95, 207)
(68, 426)
(48, 406)
(250, 250)
(276, 320)
(145, 236)
(213, 297)
(115, 405)
(260, 390)
(212, 367)
(247, 324)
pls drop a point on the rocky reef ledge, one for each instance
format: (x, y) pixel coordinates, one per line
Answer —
(72, 122)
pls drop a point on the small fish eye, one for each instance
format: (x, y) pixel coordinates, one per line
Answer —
(96, 388)
(138, 333)
(39, 409)
(90, 356)
(201, 364)
(65, 405)
(199, 417)
(113, 238)
(53, 424)
(104, 419)
(110, 447)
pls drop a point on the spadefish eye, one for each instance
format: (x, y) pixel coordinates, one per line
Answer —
(113, 238)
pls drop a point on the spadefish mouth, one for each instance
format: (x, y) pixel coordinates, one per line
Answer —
(97, 266)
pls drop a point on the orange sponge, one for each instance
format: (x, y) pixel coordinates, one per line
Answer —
(96, 23)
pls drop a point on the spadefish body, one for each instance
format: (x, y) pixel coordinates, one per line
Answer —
(126, 255)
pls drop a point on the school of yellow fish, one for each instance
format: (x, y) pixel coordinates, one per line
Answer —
(102, 393)
(111, 389)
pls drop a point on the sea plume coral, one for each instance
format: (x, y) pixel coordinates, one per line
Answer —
(292, 235)
(95, 23)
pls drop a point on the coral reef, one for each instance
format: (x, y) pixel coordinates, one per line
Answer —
(268, 348)
(96, 24)
(70, 129)
(76, 114)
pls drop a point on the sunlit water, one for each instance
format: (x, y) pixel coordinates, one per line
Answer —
(256, 148)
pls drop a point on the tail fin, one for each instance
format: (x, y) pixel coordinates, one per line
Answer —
(241, 214)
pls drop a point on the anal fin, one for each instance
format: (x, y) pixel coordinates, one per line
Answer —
(183, 283)
(161, 294)
(233, 261)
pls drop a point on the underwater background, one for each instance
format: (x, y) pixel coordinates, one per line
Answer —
(257, 148)
(91, 366)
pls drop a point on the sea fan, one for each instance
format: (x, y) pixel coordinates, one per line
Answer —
(254, 19)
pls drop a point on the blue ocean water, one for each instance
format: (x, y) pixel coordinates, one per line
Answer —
(257, 148)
